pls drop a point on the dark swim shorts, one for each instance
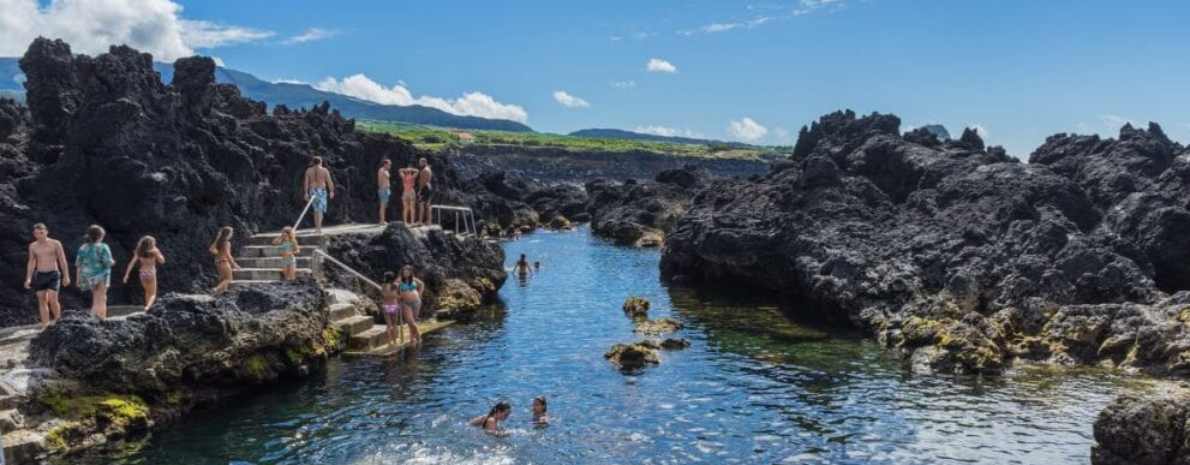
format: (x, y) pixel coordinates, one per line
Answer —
(426, 193)
(47, 281)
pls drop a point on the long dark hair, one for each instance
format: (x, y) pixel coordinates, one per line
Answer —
(499, 407)
(222, 238)
(410, 278)
(388, 279)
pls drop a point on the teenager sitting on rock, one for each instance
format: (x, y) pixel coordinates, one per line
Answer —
(46, 273)
(147, 256)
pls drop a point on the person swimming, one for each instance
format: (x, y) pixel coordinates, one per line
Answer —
(522, 265)
(392, 304)
(540, 411)
(491, 422)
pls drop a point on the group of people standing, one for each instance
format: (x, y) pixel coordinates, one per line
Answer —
(47, 270)
(416, 191)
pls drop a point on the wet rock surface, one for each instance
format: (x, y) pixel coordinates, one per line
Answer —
(632, 357)
(460, 275)
(636, 307)
(1143, 430)
(956, 254)
(657, 326)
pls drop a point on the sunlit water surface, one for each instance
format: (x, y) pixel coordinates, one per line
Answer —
(755, 387)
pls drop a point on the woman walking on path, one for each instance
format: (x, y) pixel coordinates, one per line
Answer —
(410, 289)
(224, 262)
(392, 304)
(94, 267)
(289, 253)
(148, 256)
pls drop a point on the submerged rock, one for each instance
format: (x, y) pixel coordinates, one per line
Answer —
(658, 326)
(675, 344)
(636, 307)
(955, 253)
(1143, 430)
(629, 357)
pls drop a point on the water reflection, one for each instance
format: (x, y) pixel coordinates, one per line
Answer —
(754, 387)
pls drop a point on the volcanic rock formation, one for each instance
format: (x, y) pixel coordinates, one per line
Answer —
(962, 257)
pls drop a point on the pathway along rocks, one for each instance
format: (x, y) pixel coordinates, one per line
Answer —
(955, 253)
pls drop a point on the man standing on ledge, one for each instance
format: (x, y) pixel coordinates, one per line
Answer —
(425, 191)
(384, 187)
(46, 272)
(318, 186)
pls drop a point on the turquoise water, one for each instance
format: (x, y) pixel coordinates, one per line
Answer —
(754, 388)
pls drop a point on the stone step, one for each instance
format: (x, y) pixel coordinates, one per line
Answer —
(240, 284)
(253, 251)
(123, 310)
(341, 311)
(11, 420)
(342, 296)
(272, 262)
(263, 274)
(267, 239)
(354, 325)
(368, 340)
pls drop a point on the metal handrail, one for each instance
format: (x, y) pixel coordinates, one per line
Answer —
(303, 215)
(469, 227)
(400, 315)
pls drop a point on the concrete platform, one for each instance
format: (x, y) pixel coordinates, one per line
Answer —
(378, 344)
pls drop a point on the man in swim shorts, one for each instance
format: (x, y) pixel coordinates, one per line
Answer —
(425, 191)
(46, 272)
(320, 187)
(384, 187)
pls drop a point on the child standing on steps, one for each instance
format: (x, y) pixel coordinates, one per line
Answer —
(148, 256)
(392, 304)
(289, 253)
(94, 267)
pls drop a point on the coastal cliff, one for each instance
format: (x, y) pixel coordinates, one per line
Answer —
(956, 254)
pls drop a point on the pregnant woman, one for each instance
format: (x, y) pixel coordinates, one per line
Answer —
(410, 289)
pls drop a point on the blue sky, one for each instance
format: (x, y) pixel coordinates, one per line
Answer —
(1020, 69)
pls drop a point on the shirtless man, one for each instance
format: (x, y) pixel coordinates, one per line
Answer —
(319, 186)
(384, 187)
(425, 191)
(46, 272)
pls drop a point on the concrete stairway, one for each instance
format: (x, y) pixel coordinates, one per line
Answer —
(261, 263)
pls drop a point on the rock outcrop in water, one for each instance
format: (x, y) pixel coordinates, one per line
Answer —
(640, 213)
(460, 275)
(1143, 430)
(957, 254)
(105, 141)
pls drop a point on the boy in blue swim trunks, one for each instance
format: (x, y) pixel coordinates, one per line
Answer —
(320, 187)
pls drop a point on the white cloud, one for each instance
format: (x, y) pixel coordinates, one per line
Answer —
(289, 81)
(570, 101)
(623, 84)
(644, 35)
(667, 131)
(804, 7)
(311, 35)
(657, 65)
(1115, 122)
(470, 104)
(746, 130)
(92, 26)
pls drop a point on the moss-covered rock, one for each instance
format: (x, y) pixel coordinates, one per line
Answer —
(458, 301)
(658, 326)
(636, 307)
(559, 222)
(628, 357)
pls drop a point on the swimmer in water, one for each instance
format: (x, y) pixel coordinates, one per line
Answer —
(522, 265)
(491, 422)
(540, 411)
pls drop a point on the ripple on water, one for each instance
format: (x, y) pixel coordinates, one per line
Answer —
(754, 388)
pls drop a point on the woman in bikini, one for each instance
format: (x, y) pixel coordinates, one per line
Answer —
(410, 289)
(224, 262)
(408, 195)
(392, 304)
(491, 422)
(147, 256)
(288, 244)
(94, 267)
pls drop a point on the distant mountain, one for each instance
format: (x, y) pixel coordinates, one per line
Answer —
(303, 96)
(629, 135)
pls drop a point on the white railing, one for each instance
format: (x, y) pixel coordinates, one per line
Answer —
(303, 215)
(400, 315)
(466, 215)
